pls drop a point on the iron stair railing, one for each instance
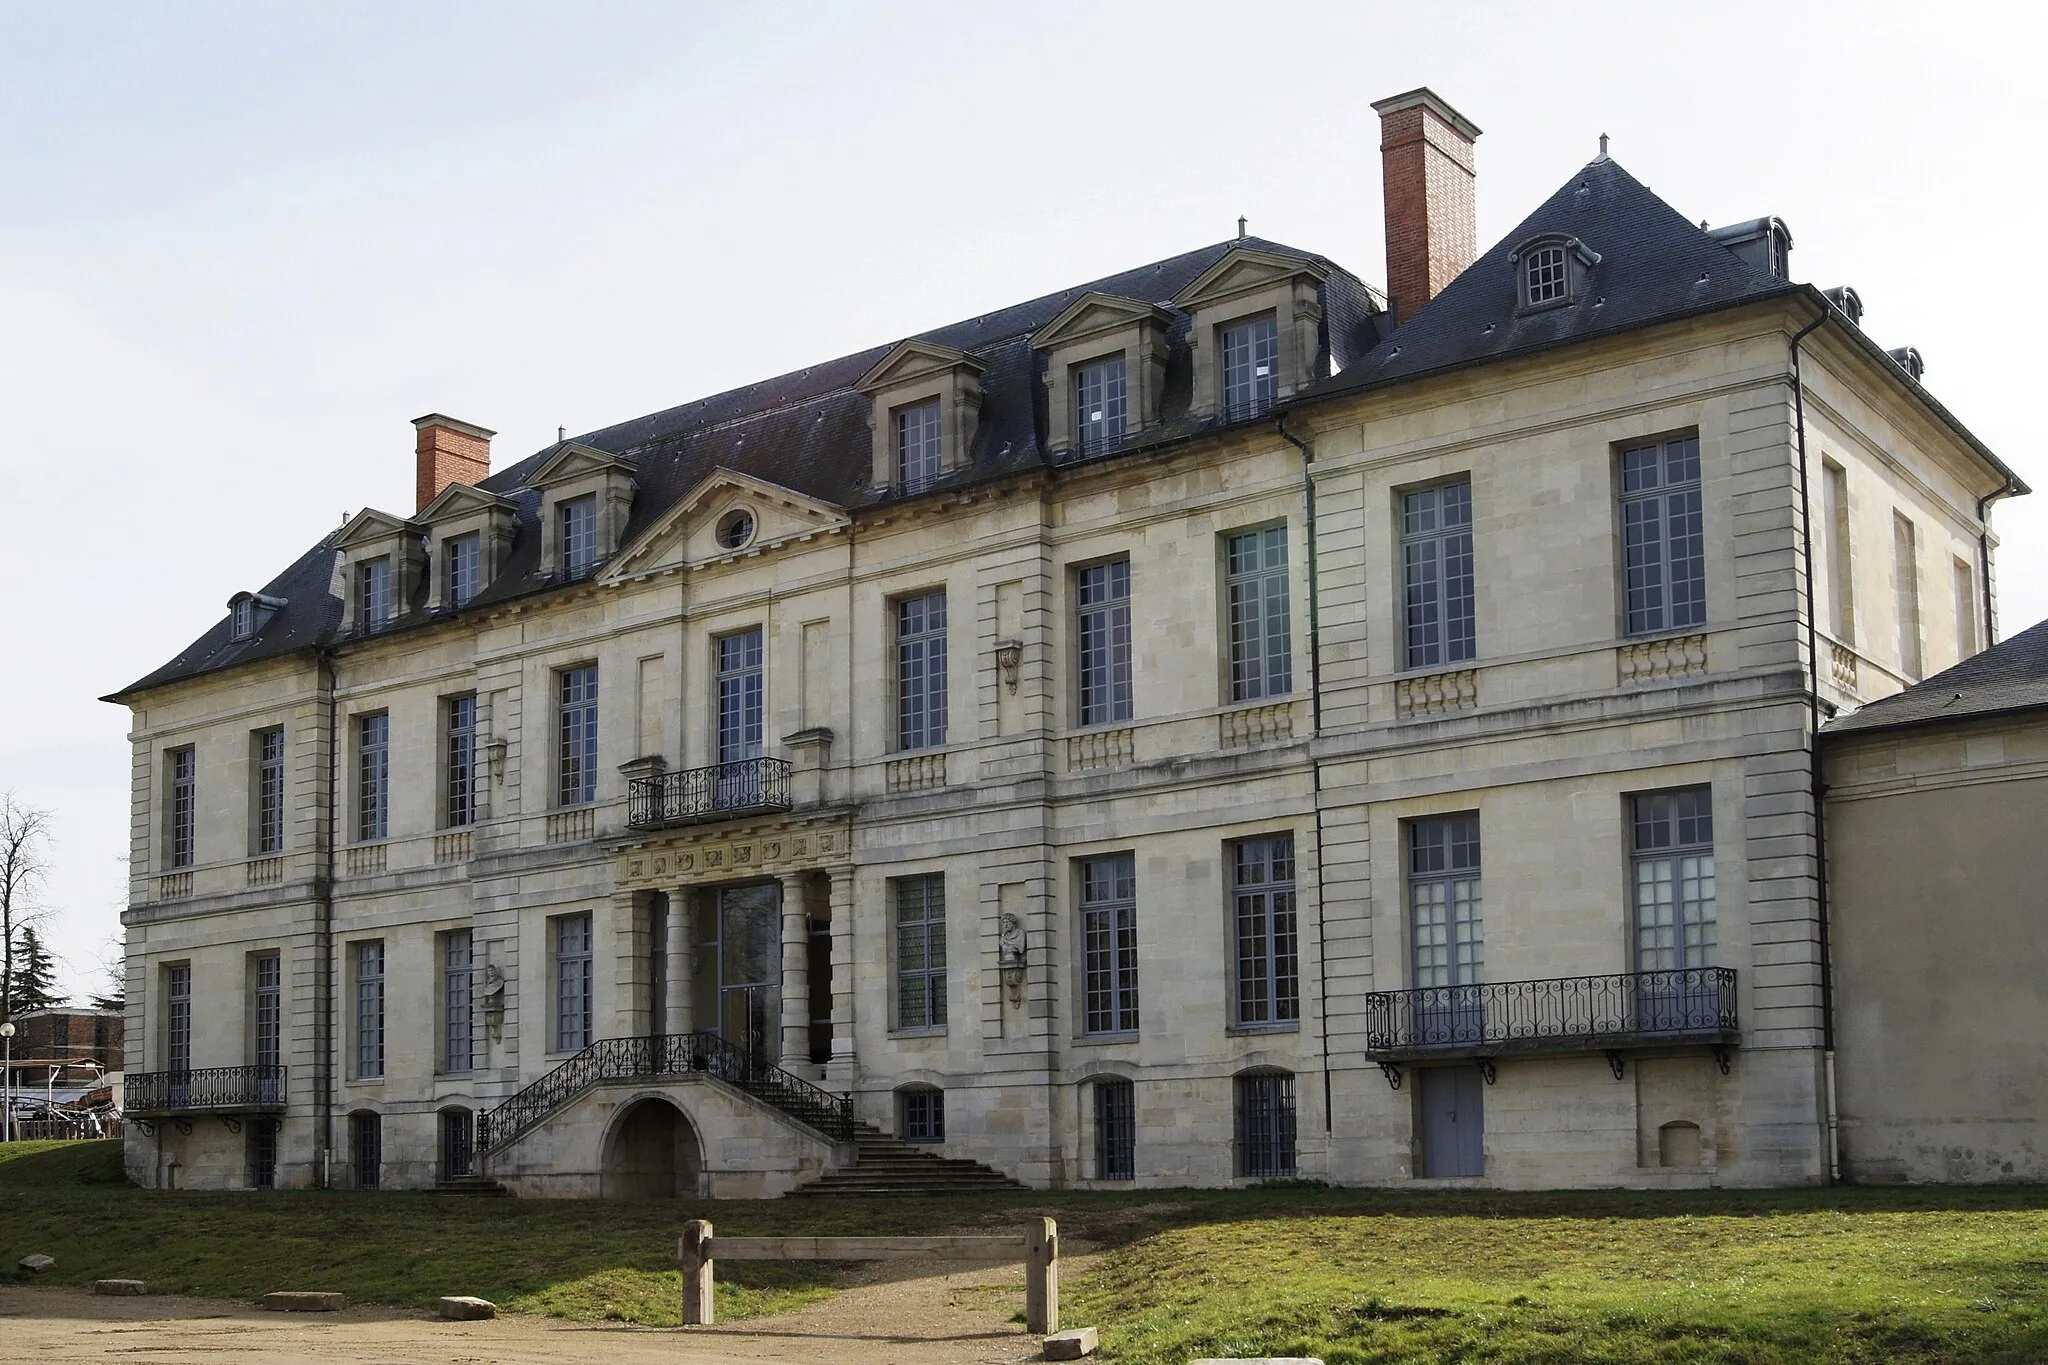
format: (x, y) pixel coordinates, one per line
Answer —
(651, 1058)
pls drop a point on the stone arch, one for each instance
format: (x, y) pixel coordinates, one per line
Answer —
(651, 1151)
(1678, 1143)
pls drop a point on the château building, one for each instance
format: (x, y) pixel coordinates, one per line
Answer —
(1218, 722)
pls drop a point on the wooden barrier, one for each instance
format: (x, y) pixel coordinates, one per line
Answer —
(1038, 1246)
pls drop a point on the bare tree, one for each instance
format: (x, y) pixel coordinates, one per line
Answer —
(24, 841)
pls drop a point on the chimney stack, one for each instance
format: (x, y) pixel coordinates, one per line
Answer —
(448, 452)
(1426, 171)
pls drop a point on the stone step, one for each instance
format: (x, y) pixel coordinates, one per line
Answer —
(472, 1185)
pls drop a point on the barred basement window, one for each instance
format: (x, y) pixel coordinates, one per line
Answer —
(270, 790)
(464, 560)
(458, 1141)
(1261, 649)
(1109, 944)
(1662, 536)
(263, 1154)
(921, 1114)
(1268, 952)
(921, 671)
(1116, 1130)
(1251, 368)
(577, 528)
(373, 777)
(1099, 404)
(1102, 604)
(457, 1000)
(1436, 565)
(920, 951)
(576, 730)
(1265, 1125)
(459, 804)
(183, 813)
(366, 1149)
(919, 448)
(575, 979)
(370, 1010)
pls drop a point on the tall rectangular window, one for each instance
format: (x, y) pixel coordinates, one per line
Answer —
(457, 1029)
(576, 733)
(373, 593)
(1268, 949)
(1436, 575)
(369, 966)
(1672, 848)
(574, 982)
(366, 1148)
(1109, 944)
(270, 790)
(1099, 404)
(739, 696)
(576, 529)
(1255, 589)
(1834, 493)
(1966, 610)
(1443, 897)
(919, 448)
(463, 567)
(1116, 1130)
(1251, 367)
(373, 777)
(1664, 566)
(1265, 1125)
(178, 1017)
(1906, 594)
(266, 1011)
(262, 1154)
(458, 806)
(1102, 604)
(920, 951)
(921, 671)
(181, 828)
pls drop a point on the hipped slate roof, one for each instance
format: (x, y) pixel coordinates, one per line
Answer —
(2010, 676)
(807, 431)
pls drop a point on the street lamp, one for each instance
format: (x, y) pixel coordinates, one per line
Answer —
(7, 1081)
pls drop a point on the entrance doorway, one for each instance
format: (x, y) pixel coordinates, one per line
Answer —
(739, 978)
(652, 1153)
(1451, 1101)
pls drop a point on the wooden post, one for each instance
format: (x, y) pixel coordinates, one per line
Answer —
(1042, 1277)
(695, 1251)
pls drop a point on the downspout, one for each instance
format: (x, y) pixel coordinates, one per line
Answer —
(1818, 787)
(323, 909)
(2004, 490)
(1315, 731)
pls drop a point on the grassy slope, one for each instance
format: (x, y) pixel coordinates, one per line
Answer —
(1351, 1275)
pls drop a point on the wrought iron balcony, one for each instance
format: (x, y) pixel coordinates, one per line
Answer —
(210, 1090)
(1611, 1014)
(722, 791)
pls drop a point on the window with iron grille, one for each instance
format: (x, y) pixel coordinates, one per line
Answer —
(576, 729)
(267, 1011)
(463, 561)
(370, 1010)
(1109, 944)
(366, 1149)
(1664, 563)
(576, 526)
(262, 1154)
(921, 1114)
(458, 808)
(921, 671)
(1251, 367)
(1116, 1130)
(178, 1017)
(184, 809)
(373, 777)
(270, 790)
(1436, 566)
(574, 981)
(1443, 897)
(373, 593)
(1265, 1125)
(1544, 276)
(920, 951)
(457, 997)
(1261, 647)
(1673, 856)
(1102, 602)
(1099, 404)
(1268, 949)
(918, 446)
(739, 696)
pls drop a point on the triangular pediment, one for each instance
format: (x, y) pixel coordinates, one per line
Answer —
(684, 536)
(460, 499)
(573, 459)
(1243, 270)
(370, 525)
(912, 360)
(1093, 314)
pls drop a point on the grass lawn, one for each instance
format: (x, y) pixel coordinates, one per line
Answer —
(1912, 1275)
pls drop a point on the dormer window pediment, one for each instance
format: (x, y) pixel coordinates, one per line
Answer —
(586, 501)
(469, 535)
(1551, 270)
(1255, 331)
(925, 407)
(1105, 371)
(248, 611)
(727, 516)
(382, 560)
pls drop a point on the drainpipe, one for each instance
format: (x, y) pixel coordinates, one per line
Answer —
(1315, 728)
(1818, 784)
(2004, 490)
(323, 910)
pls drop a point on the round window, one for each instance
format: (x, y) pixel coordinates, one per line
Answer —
(735, 528)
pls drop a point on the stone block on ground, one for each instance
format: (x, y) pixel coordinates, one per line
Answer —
(1071, 1345)
(35, 1264)
(463, 1308)
(304, 1301)
(119, 1287)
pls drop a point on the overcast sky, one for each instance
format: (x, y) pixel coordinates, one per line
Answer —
(241, 246)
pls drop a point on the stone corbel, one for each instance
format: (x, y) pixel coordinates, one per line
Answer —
(1009, 656)
(494, 756)
(647, 765)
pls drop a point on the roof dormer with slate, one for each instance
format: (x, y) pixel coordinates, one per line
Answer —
(586, 502)
(1105, 372)
(469, 536)
(379, 567)
(925, 409)
(1254, 332)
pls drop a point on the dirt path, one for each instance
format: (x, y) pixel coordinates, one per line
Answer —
(902, 1312)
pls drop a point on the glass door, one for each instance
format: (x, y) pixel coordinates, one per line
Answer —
(749, 958)
(1448, 931)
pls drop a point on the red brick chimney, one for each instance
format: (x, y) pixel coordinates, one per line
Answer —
(449, 452)
(1426, 170)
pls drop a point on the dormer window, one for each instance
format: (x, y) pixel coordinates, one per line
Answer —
(1256, 332)
(586, 502)
(244, 618)
(1100, 404)
(1551, 271)
(1544, 280)
(925, 409)
(578, 535)
(462, 559)
(1251, 367)
(373, 593)
(920, 449)
(247, 611)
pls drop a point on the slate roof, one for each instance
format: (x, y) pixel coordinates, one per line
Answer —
(2010, 676)
(808, 431)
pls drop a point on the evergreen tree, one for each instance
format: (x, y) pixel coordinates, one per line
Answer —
(35, 974)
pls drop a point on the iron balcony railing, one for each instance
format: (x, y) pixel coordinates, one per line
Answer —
(694, 795)
(675, 1054)
(210, 1090)
(1562, 1014)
